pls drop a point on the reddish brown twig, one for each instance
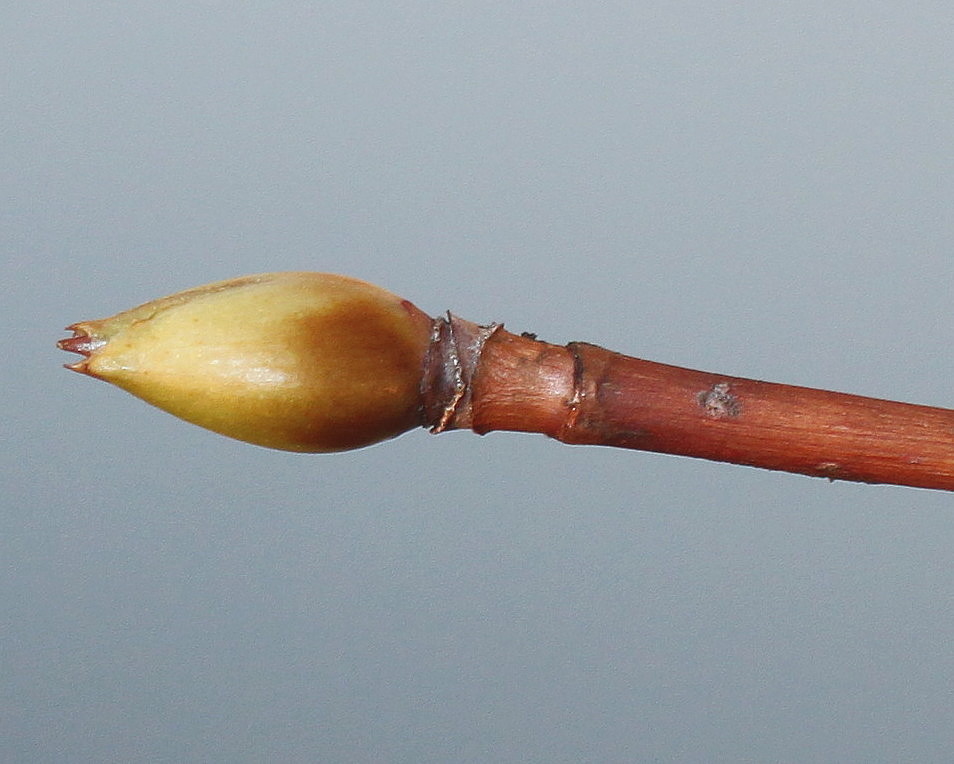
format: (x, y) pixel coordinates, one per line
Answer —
(489, 379)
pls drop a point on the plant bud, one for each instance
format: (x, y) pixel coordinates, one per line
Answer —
(295, 361)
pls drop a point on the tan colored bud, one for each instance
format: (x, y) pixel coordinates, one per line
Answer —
(296, 361)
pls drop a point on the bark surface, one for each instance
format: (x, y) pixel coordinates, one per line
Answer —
(485, 378)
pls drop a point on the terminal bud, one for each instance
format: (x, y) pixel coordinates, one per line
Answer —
(296, 361)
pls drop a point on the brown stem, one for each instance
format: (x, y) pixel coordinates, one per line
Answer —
(486, 378)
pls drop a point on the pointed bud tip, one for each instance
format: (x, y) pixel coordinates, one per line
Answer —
(81, 342)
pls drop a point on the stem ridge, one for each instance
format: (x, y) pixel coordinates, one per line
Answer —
(575, 402)
(452, 360)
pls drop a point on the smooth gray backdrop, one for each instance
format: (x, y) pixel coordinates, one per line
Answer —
(754, 188)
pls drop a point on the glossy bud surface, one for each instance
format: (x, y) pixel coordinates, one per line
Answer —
(296, 361)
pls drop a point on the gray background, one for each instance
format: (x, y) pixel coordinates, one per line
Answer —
(748, 188)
